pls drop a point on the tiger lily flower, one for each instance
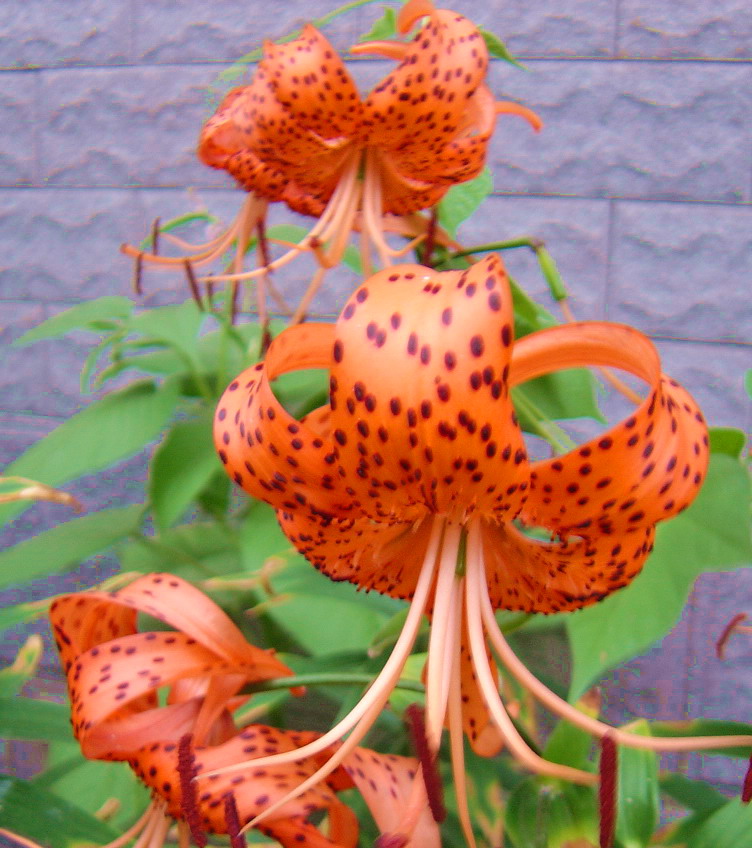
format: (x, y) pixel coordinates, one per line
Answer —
(114, 675)
(414, 481)
(301, 135)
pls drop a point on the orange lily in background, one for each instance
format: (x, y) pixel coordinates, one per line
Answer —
(301, 135)
(415, 481)
(114, 673)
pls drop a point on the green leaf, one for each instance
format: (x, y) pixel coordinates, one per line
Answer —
(544, 814)
(748, 382)
(384, 28)
(712, 535)
(497, 48)
(560, 395)
(68, 544)
(551, 274)
(728, 827)
(20, 614)
(181, 467)
(80, 316)
(27, 718)
(46, 819)
(195, 551)
(23, 667)
(637, 788)
(727, 440)
(529, 316)
(695, 795)
(105, 432)
(175, 326)
(569, 746)
(459, 203)
(90, 784)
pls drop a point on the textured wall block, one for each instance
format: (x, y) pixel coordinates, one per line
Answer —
(671, 131)
(719, 688)
(564, 28)
(683, 270)
(62, 245)
(575, 233)
(714, 374)
(37, 32)
(126, 126)
(685, 28)
(225, 30)
(18, 93)
(24, 372)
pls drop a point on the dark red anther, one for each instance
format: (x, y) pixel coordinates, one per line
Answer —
(232, 820)
(728, 631)
(428, 761)
(188, 800)
(263, 244)
(193, 283)
(234, 287)
(391, 840)
(155, 237)
(138, 269)
(430, 242)
(607, 791)
(747, 785)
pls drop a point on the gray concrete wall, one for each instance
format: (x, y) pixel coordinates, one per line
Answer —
(641, 184)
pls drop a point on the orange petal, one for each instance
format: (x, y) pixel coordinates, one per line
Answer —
(645, 469)
(386, 781)
(264, 449)
(483, 735)
(533, 576)
(254, 789)
(421, 412)
(287, 135)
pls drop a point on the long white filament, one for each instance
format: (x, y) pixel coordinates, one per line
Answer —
(365, 712)
(456, 733)
(444, 634)
(560, 707)
(476, 589)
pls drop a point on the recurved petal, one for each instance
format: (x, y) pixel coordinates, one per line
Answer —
(254, 789)
(421, 413)
(385, 556)
(646, 468)
(423, 101)
(274, 457)
(530, 575)
(386, 781)
(81, 622)
(184, 607)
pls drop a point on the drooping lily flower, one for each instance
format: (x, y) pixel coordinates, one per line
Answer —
(301, 135)
(415, 481)
(114, 675)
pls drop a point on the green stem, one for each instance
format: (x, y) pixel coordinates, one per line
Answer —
(324, 679)
(524, 241)
(515, 623)
(544, 427)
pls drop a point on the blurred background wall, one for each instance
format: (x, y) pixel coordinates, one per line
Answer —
(640, 183)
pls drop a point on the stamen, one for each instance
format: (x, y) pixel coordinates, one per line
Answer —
(391, 840)
(607, 791)
(232, 820)
(360, 719)
(747, 785)
(188, 796)
(193, 284)
(728, 632)
(562, 708)
(138, 269)
(430, 242)
(155, 237)
(234, 288)
(428, 760)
